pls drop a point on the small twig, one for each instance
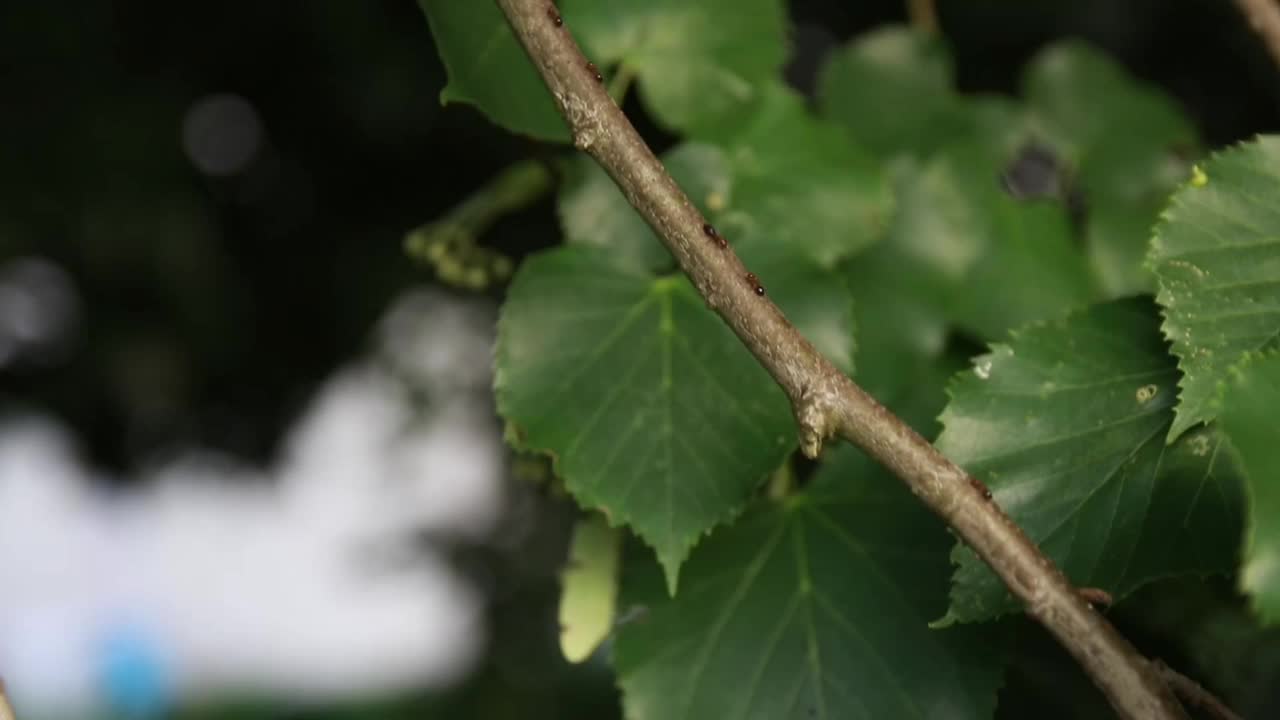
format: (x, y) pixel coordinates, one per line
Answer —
(923, 15)
(825, 401)
(450, 243)
(1096, 597)
(1194, 695)
(1264, 18)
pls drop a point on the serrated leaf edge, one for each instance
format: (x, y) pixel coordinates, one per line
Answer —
(513, 434)
(1195, 180)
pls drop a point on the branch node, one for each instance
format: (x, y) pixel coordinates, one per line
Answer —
(583, 118)
(1096, 597)
(816, 417)
(1193, 693)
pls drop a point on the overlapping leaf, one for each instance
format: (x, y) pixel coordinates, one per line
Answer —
(813, 608)
(999, 124)
(1122, 146)
(1066, 425)
(654, 412)
(900, 308)
(785, 179)
(960, 252)
(488, 68)
(1128, 145)
(698, 63)
(989, 262)
(1118, 231)
(1217, 255)
(792, 194)
(816, 300)
(801, 183)
(892, 88)
(1082, 97)
(1249, 419)
(594, 212)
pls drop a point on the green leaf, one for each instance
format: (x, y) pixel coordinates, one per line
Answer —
(1066, 425)
(892, 89)
(816, 300)
(1084, 97)
(959, 251)
(1127, 142)
(791, 193)
(1118, 233)
(698, 63)
(994, 262)
(1249, 420)
(1216, 253)
(799, 181)
(589, 588)
(816, 607)
(899, 310)
(829, 621)
(786, 179)
(595, 212)
(654, 412)
(488, 68)
(999, 124)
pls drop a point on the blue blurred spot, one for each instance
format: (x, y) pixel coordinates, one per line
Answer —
(137, 680)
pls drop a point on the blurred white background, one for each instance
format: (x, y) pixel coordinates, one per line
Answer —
(307, 577)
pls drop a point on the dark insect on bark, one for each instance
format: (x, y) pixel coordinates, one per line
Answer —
(981, 488)
(710, 231)
(751, 278)
(760, 290)
(555, 16)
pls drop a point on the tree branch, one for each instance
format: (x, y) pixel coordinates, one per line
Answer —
(923, 15)
(1194, 694)
(1264, 18)
(451, 243)
(826, 402)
